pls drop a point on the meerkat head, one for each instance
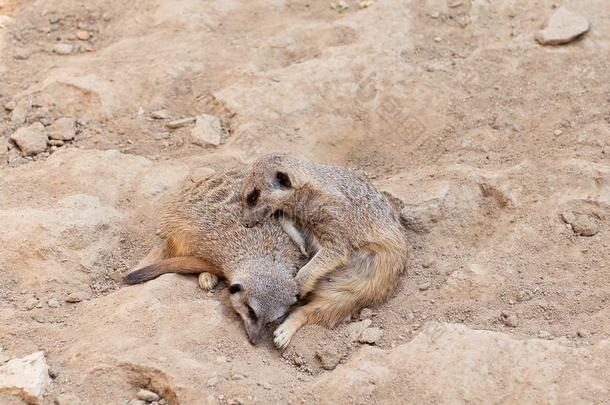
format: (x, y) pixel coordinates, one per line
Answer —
(262, 297)
(267, 186)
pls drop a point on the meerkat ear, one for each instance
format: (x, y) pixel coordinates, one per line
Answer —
(233, 288)
(286, 180)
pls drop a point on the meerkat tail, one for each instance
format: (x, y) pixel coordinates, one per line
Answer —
(182, 265)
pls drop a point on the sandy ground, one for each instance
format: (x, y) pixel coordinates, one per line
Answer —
(495, 147)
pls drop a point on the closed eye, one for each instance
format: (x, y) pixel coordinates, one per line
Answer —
(252, 198)
(251, 313)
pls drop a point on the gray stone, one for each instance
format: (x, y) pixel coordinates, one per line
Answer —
(370, 335)
(63, 129)
(31, 140)
(146, 395)
(26, 377)
(63, 49)
(563, 26)
(207, 131)
(53, 303)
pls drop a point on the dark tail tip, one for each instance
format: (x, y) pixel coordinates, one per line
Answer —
(141, 275)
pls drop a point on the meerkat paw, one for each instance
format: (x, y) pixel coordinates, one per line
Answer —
(283, 334)
(207, 281)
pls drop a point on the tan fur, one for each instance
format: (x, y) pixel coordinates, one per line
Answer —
(359, 244)
(202, 222)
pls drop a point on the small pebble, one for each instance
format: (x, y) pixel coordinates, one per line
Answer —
(76, 297)
(370, 335)
(582, 333)
(160, 114)
(366, 313)
(22, 53)
(10, 106)
(557, 132)
(544, 334)
(425, 286)
(146, 395)
(63, 49)
(53, 303)
(180, 123)
(31, 304)
(82, 35)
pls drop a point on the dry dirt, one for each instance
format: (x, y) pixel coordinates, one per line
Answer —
(496, 148)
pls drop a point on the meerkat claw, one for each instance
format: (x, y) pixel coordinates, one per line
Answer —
(282, 337)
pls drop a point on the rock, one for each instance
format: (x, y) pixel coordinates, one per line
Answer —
(180, 123)
(146, 395)
(544, 334)
(420, 218)
(425, 286)
(445, 363)
(510, 320)
(20, 113)
(370, 335)
(3, 358)
(26, 377)
(562, 27)
(583, 333)
(10, 105)
(585, 225)
(63, 129)
(83, 35)
(557, 132)
(76, 297)
(366, 313)
(56, 142)
(207, 131)
(31, 140)
(160, 114)
(53, 303)
(31, 304)
(22, 53)
(54, 19)
(329, 358)
(355, 329)
(63, 49)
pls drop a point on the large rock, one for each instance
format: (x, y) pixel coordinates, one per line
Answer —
(564, 26)
(454, 364)
(207, 131)
(31, 140)
(63, 129)
(26, 377)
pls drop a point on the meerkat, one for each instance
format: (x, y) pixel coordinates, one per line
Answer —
(203, 233)
(360, 247)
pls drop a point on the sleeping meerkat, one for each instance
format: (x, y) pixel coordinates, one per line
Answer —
(360, 248)
(203, 234)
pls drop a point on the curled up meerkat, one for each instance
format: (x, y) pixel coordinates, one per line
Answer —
(202, 233)
(359, 245)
